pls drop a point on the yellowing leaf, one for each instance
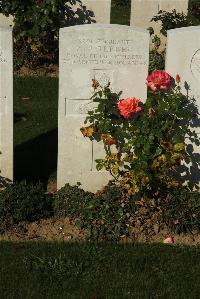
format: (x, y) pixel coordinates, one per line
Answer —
(179, 147)
(108, 139)
(88, 131)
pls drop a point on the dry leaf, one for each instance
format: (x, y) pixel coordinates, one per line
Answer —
(95, 84)
(88, 131)
(108, 139)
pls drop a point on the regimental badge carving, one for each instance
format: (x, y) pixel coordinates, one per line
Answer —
(85, 107)
(103, 76)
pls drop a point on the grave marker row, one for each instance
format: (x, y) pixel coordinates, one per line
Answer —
(142, 11)
(114, 53)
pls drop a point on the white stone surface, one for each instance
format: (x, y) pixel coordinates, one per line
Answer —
(142, 11)
(106, 53)
(183, 58)
(6, 21)
(6, 103)
(100, 8)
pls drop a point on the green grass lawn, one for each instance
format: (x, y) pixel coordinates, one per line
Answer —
(120, 14)
(72, 270)
(35, 128)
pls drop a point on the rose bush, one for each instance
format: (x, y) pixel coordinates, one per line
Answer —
(144, 142)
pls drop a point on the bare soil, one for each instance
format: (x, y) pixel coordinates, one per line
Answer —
(65, 229)
(48, 229)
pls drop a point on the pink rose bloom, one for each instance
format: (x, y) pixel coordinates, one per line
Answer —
(129, 106)
(158, 79)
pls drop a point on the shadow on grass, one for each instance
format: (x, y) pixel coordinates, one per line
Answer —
(36, 159)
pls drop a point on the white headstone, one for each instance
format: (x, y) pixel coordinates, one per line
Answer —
(142, 11)
(6, 21)
(6, 103)
(114, 53)
(100, 8)
(183, 58)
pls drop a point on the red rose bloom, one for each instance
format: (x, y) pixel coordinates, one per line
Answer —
(158, 79)
(129, 106)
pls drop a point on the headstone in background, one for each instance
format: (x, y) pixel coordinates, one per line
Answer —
(6, 103)
(100, 8)
(183, 58)
(142, 11)
(6, 21)
(114, 53)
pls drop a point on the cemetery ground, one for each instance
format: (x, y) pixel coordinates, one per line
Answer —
(87, 270)
(35, 138)
(69, 267)
(78, 269)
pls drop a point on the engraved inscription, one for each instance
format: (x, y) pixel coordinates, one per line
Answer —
(103, 51)
(195, 65)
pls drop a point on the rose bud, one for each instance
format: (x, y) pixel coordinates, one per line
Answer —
(178, 79)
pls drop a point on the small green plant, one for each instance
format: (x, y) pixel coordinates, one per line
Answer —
(156, 57)
(24, 202)
(70, 201)
(181, 210)
(107, 216)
